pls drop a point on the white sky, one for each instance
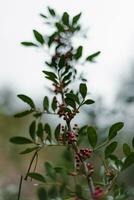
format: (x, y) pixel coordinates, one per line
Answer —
(111, 30)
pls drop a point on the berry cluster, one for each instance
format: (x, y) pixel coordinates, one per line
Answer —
(85, 153)
(61, 111)
(72, 137)
(98, 193)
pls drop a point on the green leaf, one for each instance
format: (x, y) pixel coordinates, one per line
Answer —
(65, 18)
(32, 130)
(54, 103)
(51, 38)
(29, 44)
(51, 11)
(128, 161)
(46, 103)
(73, 96)
(20, 140)
(126, 149)
(29, 150)
(89, 101)
(83, 90)
(114, 129)
(118, 163)
(133, 142)
(110, 149)
(67, 77)
(50, 74)
(78, 53)
(42, 194)
(37, 177)
(61, 61)
(76, 18)
(40, 131)
(44, 16)
(24, 113)
(93, 56)
(92, 136)
(59, 27)
(57, 132)
(39, 37)
(27, 100)
(70, 102)
(50, 170)
(47, 129)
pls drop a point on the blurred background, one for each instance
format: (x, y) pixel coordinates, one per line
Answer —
(110, 80)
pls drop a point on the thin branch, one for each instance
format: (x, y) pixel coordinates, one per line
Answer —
(30, 165)
(20, 186)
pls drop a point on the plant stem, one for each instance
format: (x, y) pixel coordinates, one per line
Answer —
(20, 186)
(30, 165)
(101, 145)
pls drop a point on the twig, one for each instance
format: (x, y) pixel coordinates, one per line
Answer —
(20, 186)
(30, 165)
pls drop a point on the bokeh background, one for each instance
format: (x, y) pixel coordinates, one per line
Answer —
(110, 28)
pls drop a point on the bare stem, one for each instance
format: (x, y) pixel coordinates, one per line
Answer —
(20, 186)
(30, 165)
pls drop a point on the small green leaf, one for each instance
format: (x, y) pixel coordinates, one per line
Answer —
(51, 38)
(110, 149)
(39, 37)
(126, 149)
(40, 131)
(47, 129)
(65, 18)
(128, 161)
(61, 61)
(24, 113)
(27, 100)
(78, 53)
(89, 101)
(114, 129)
(67, 77)
(32, 130)
(83, 90)
(92, 136)
(93, 56)
(76, 18)
(50, 170)
(42, 194)
(118, 163)
(46, 103)
(51, 11)
(50, 74)
(37, 177)
(54, 103)
(70, 102)
(20, 140)
(29, 150)
(29, 44)
(57, 132)
(44, 16)
(59, 27)
(73, 96)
